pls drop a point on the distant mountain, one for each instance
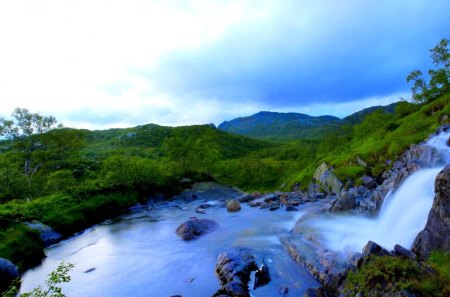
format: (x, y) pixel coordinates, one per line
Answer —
(276, 125)
(358, 116)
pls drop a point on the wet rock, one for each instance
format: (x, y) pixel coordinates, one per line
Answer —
(320, 196)
(8, 274)
(194, 227)
(291, 208)
(245, 198)
(274, 206)
(272, 197)
(233, 205)
(233, 270)
(284, 291)
(435, 234)
(262, 277)
(346, 201)
(46, 233)
(372, 248)
(257, 202)
(317, 292)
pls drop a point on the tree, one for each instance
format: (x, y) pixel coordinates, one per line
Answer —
(37, 138)
(439, 84)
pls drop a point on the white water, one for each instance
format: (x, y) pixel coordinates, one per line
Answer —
(402, 217)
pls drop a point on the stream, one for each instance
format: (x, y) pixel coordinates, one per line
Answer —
(139, 254)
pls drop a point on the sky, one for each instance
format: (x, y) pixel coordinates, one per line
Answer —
(103, 64)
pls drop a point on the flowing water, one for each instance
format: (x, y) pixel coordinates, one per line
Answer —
(402, 217)
(139, 254)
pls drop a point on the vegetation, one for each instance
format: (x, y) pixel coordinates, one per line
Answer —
(52, 284)
(389, 273)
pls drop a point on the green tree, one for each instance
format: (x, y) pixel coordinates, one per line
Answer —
(439, 82)
(37, 139)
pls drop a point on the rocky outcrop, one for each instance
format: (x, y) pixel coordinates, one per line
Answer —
(324, 175)
(46, 233)
(233, 270)
(233, 205)
(8, 274)
(435, 235)
(194, 227)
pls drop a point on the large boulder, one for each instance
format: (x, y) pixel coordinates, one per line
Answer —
(346, 201)
(327, 179)
(46, 233)
(8, 273)
(435, 235)
(233, 205)
(233, 270)
(195, 227)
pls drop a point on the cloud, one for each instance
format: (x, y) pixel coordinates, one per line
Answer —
(100, 64)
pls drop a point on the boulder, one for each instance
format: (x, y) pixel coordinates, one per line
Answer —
(262, 277)
(8, 274)
(403, 252)
(317, 292)
(233, 270)
(291, 208)
(328, 180)
(46, 233)
(435, 234)
(233, 205)
(194, 227)
(346, 201)
(372, 248)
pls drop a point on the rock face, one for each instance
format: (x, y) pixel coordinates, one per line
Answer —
(46, 233)
(328, 180)
(233, 205)
(435, 235)
(194, 227)
(233, 270)
(8, 273)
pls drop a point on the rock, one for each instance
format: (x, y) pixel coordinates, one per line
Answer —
(46, 233)
(233, 270)
(233, 205)
(257, 202)
(320, 196)
(368, 181)
(8, 274)
(435, 234)
(329, 181)
(291, 208)
(361, 162)
(346, 201)
(403, 252)
(245, 198)
(262, 277)
(274, 206)
(372, 248)
(194, 227)
(317, 292)
(272, 197)
(284, 291)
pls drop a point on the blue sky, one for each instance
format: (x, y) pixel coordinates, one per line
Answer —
(100, 64)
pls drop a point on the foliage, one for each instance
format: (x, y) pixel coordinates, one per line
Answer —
(52, 284)
(439, 82)
(380, 272)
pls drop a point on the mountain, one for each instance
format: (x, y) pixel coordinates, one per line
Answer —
(358, 116)
(277, 125)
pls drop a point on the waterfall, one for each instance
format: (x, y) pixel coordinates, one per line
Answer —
(402, 217)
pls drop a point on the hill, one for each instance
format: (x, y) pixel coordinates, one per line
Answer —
(290, 126)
